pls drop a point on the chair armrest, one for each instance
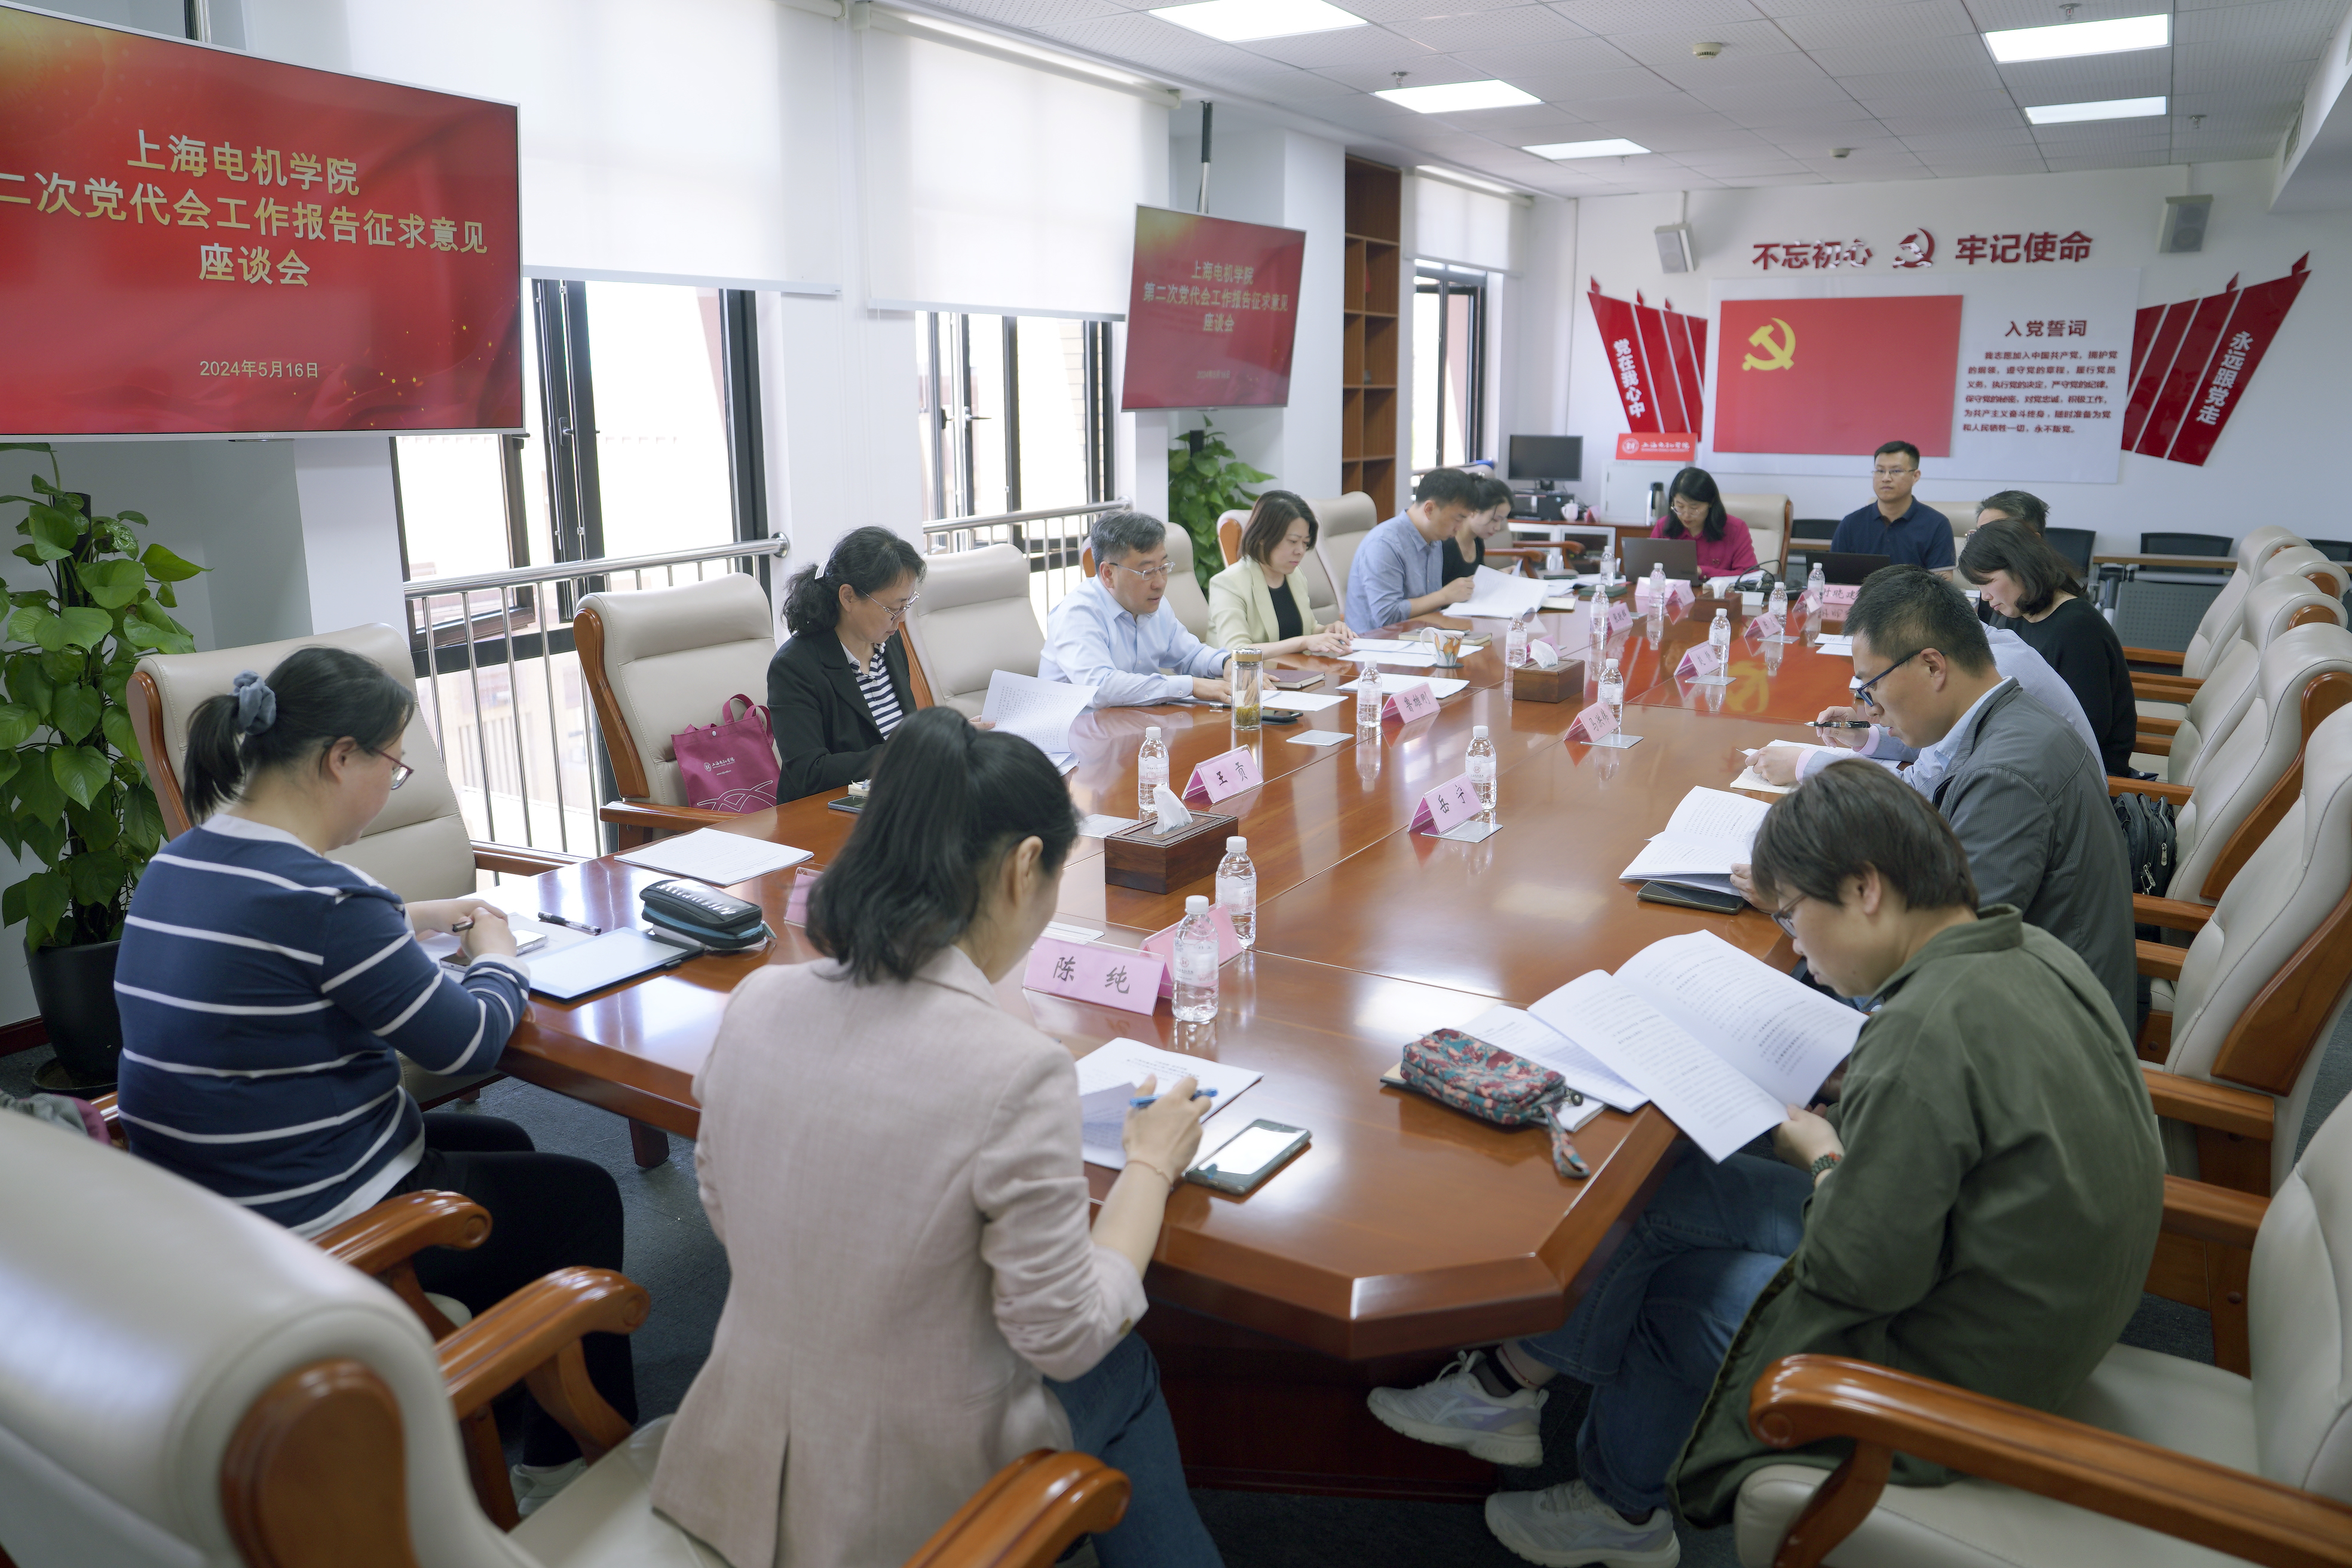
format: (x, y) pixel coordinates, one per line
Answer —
(533, 1336)
(2171, 659)
(518, 860)
(2238, 1111)
(1028, 1512)
(397, 1229)
(662, 818)
(2154, 745)
(111, 1114)
(2177, 794)
(2149, 725)
(2172, 914)
(2165, 688)
(2159, 961)
(2204, 1212)
(1808, 1398)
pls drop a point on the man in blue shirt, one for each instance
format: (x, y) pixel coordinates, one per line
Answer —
(1399, 568)
(1907, 532)
(1116, 633)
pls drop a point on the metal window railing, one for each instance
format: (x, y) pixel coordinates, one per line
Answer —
(500, 687)
(1053, 552)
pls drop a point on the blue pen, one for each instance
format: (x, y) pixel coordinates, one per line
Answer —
(1141, 1100)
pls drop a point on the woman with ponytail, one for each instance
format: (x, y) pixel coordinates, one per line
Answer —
(893, 1163)
(838, 685)
(269, 992)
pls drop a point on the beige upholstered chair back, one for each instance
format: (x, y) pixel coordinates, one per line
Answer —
(147, 1317)
(1340, 526)
(2299, 1302)
(2333, 578)
(975, 618)
(2219, 624)
(419, 846)
(1229, 525)
(2285, 894)
(1184, 595)
(1768, 518)
(2273, 608)
(661, 661)
(2258, 750)
(1962, 515)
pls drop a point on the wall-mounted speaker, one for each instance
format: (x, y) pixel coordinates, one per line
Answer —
(2184, 225)
(1674, 248)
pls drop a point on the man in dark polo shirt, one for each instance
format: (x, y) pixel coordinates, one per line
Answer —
(1907, 532)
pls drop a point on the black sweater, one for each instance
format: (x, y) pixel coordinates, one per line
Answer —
(2076, 641)
(825, 736)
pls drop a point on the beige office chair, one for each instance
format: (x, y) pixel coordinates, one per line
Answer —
(186, 1384)
(1340, 526)
(2273, 608)
(1768, 518)
(1229, 534)
(975, 618)
(2163, 696)
(2331, 577)
(658, 662)
(2154, 1453)
(1961, 514)
(418, 847)
(1184, 595)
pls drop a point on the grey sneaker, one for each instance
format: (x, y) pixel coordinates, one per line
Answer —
(1454, 1410)
(535, 1485)
(1565, 1527)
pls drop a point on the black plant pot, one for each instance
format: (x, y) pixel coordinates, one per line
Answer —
(75, 989)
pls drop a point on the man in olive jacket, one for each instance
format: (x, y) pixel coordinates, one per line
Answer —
(1978, 1206)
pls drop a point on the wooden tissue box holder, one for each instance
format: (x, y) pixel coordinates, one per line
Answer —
(1532, 683)
(1140, 857)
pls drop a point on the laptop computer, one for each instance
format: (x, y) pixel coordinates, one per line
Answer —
(1679, 556)
(1848, 567)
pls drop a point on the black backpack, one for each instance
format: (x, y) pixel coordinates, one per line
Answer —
(2149, 840)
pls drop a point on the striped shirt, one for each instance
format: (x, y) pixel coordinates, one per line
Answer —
(264, 991)
(873, 680)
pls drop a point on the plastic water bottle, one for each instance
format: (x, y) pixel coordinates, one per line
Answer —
(1609, 561)
(1718, 637)
(1237, 890)
(1777, 607)
(1195, 1001)
(1815, 580)
(1515, 643)
(1480, 765)
(1367, 695)
(1151, 772)
(1657, 586)
(1613, 690)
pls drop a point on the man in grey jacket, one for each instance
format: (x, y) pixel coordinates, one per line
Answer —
(2027, 801)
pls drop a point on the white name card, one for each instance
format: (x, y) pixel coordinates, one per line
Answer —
(1415, 701)
(1220, 777)
(1699, 663)
(1448, 805)
(1595, 724)
(1099, 976)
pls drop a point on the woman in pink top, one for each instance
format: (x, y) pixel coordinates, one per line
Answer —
(1694, 511)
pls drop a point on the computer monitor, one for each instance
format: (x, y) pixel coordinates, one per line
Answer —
(1544, 458)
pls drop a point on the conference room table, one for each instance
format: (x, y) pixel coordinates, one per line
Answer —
(1405, 1229)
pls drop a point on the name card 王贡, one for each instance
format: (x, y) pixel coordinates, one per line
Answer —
(1449, 806)
(1414, 701)
(1162, 945)
(1619, 617)
(1762, 627)
(1595, 724)
(1100, 977)
(1699, 663)
(1220, 777)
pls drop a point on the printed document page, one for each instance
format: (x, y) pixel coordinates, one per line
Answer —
(1039, 712)
(1501, 596)
(1711, 831)
(710, 854)
(1439, 685)
(1119, 1065)
(1782, 1033)
(1525, 1035)
(1716, 1105)
(1301, 702)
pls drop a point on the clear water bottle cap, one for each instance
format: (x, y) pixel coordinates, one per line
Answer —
(1151, 731)
(1196, 905)
(1477, 731)
(1237, 844)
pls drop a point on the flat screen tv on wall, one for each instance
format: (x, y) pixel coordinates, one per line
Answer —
(1213, 313)
(196, 242)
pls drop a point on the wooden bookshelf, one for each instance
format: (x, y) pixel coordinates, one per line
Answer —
(1370, 295)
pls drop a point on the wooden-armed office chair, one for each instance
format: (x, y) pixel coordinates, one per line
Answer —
(2332, 578)
(1768, 516)
(2176, 749)
(658, 662)
(1184, 595)
(975, 617)
(2156, 1462)
(2216, 628)
(185, 1384)
(419, 846)
(1351, 515)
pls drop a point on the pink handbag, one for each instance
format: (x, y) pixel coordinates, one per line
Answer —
(729, 765)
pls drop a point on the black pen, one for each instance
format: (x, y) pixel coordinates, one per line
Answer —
(1842, 725)
(570, 925)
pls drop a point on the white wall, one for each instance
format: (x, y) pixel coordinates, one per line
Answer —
(2289, 414)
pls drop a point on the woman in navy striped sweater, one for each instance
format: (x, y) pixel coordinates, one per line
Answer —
(266, 988)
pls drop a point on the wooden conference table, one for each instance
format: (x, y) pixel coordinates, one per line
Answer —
(1405, 1229)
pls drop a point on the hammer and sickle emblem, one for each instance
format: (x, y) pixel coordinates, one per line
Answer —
(1779, 353)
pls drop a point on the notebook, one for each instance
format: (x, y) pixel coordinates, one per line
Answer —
(1108, 1077)
(600, 962)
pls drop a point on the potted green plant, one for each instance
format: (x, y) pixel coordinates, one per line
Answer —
(1204, 482)
(73, 793)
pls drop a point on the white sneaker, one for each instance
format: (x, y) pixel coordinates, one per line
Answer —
(1566, 1526)
(1454, 1411)
(535, 1485)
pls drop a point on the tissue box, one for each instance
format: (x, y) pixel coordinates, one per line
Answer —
(1532, 683)
(1143, 859)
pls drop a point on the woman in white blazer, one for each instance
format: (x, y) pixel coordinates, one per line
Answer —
(892, 1163)
(1260, 601)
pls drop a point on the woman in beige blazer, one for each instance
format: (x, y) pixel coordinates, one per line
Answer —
(1260, 601)
(892, 1163)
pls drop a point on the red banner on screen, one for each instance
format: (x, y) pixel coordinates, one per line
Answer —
(196, 241)
(2191, 360)
(1213, 313)
(1655, 358)
(1837, 374)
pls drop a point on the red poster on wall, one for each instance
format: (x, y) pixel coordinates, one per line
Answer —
(1837, 374)
(1213, 313)
(195, 241)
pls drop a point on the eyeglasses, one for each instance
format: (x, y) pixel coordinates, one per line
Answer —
(401, 772)
(1862, 688)
(1892, 473)
(1150, 574)
(1786, 919)
(896, 612)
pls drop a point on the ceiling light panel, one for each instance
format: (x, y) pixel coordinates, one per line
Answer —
(1456, 97)
(1459, 178)
(1614, 147)
(2069, 39)
(1240, 21)
(2104, 108)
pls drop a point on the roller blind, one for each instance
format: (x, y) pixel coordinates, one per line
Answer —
(1455, 224)
(996, 187)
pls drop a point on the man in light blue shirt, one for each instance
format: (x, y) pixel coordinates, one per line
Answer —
(1116, 633)
(1399, 568)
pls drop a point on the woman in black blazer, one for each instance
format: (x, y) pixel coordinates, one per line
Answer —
(838, 685)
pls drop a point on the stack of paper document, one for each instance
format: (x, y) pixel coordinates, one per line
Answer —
(1439, 685)
(1710, 832)
(1108, 1078)
(1384, 645)
(1525, 1035)
(1498, 595)
(710, 854)
(1039, 712)
(1723, 1042)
